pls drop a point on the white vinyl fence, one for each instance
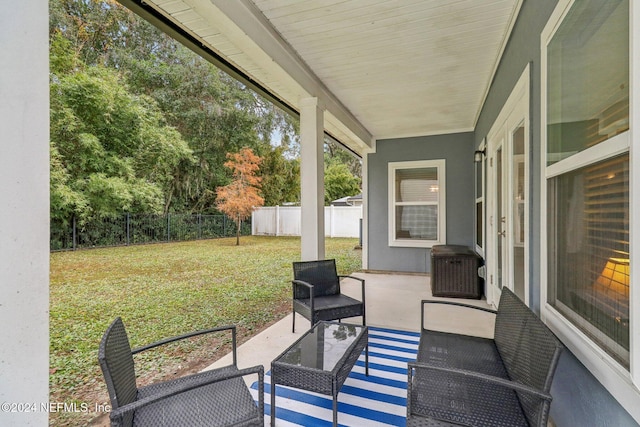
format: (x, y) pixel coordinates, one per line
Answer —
(339, 221)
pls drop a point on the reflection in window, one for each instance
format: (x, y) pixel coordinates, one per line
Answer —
(519, 203)
(479, 224)
(588, 206)
(589, 275)
(413, 220)
(588, 77)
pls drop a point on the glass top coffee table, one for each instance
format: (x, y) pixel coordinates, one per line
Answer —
(320, 361)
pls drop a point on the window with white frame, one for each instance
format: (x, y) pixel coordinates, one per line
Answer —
(417, 203)
(587, 173)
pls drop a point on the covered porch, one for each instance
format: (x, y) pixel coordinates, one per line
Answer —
(459, 111)
(393, 318)
(393, 302)
(415, 88)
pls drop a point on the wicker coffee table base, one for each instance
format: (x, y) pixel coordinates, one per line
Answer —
(319, 380)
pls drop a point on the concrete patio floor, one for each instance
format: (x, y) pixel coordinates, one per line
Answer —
(392, 301)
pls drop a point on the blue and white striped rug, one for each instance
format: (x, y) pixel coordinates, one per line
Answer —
(376, 400)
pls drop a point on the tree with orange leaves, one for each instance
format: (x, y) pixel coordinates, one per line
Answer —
(239, 199)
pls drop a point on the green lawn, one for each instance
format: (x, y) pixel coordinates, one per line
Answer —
(163, 290)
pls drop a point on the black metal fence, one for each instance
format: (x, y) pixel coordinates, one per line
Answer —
(137, 229)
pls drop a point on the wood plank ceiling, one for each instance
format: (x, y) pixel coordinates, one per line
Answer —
(394, 68)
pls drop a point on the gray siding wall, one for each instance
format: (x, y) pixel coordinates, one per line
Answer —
(523, 48)
(579, 399)
(457, 150)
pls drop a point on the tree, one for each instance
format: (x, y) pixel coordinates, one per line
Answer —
(210, 111)
(336, 153)
(280, 178)
(111, 150)
(339, 182)
(240, 197)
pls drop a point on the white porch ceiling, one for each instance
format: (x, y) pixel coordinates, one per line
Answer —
(381, 68)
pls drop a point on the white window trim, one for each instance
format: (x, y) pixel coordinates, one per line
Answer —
(442, 226)
(622, 384)
(514, 112)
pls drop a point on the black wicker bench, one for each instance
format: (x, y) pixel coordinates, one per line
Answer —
(473, 381)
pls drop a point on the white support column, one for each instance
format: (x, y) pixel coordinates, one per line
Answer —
(312, 179)
(24, 215)
(365, 212)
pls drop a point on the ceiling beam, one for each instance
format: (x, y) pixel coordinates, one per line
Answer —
(151, 15)
(267, 47)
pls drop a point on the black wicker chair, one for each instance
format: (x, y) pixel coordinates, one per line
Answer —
(317, 296)
(218, 397)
